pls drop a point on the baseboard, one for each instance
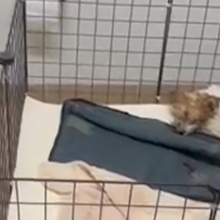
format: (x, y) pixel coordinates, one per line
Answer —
(112, 94)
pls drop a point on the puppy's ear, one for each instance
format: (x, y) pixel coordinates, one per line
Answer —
(212, 103)
(177, 96)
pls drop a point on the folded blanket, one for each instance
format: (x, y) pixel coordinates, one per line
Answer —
(119, 201)
(145, 150)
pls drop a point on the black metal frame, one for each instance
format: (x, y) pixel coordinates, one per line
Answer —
(143, 69)
(109, 202)
(14, 85)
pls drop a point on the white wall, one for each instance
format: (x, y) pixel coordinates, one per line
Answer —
(6, 13)
(151, 60)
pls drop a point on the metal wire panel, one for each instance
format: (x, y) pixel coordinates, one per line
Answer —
(4, 161)
(16, 78)
(155, 207)
(114, 50)
(192, 54)
(105, 51)
(12, 88)
(95, 48)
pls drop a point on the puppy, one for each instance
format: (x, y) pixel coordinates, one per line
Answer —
(193, 111)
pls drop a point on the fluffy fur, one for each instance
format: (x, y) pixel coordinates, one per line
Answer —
(193, 111)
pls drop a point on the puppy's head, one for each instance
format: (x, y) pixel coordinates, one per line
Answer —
(191, 111)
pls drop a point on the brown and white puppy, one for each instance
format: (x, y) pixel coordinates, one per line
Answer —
(193, 111)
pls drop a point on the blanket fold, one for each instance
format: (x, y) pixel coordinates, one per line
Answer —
(115, 197)
(145, 150)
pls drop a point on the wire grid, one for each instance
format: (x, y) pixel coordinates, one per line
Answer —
(192, 54)
(12, 101)
(112, 49)
(97, 48)
(4, 162)
(13, 87)
(156, 207)
(74, 53)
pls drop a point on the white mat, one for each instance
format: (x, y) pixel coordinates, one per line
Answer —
(40, 124)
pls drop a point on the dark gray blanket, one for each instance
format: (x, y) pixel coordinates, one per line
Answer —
(146, 150)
